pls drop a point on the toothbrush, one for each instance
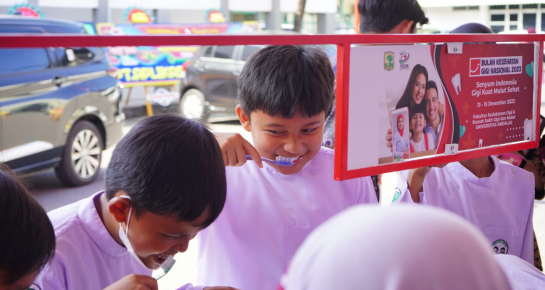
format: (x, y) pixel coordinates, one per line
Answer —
(166, 266)
(280, 160)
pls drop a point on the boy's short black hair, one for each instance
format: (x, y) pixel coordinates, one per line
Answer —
(169, 165)
(419, 108)
(27, 238)
(279, 80)
(381, 16)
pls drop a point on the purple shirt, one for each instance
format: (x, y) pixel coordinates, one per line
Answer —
(267, 216)
(86, 256)
(501, 205)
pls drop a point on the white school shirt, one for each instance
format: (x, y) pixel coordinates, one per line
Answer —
(421, 146)
(405, 247)
(521, 274)
(501, 205)
(86, 256)
(267, 215)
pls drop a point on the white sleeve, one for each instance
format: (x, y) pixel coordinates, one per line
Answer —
(190, 287)
(402, 193)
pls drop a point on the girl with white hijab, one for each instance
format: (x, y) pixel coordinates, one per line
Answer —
(395, 248)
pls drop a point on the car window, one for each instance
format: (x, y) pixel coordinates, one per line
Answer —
(247, 51)
(224, 51)
(208, 52)
(23, 60)
(76, 55)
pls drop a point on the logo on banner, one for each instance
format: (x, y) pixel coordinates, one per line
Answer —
(403, 59)
(495, 66)
(500, 247)
(389, 60)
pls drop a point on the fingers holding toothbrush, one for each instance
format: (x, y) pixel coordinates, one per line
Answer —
(235, 148)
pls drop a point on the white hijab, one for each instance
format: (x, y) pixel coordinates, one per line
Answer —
(395, 248)
(521, 274)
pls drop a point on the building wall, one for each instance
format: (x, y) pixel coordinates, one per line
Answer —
(75, 14)
(446, 19)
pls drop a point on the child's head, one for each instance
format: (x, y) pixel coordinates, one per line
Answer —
(386, 16)
(27, 239)
(172, 170)
(429, 237)
(418, 119)
(400, 121)
(432, 101)
(284, 94)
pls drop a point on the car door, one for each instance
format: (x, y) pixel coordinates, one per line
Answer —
(217, 76)
(32, 100)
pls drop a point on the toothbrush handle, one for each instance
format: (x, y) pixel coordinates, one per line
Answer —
(248, 157)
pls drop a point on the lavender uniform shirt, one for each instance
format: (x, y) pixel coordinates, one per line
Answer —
(86, 256)
(501, 206)
(267, 216)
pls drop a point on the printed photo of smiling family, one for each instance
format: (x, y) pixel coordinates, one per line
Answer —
(406, 102)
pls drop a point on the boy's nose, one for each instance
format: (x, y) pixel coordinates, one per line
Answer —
(182, 246)
(293, 146)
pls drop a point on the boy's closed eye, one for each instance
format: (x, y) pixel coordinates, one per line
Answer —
(311, 130)
(274, 132)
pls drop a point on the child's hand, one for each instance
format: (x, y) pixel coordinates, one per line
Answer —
(235, 148)
(134, 282)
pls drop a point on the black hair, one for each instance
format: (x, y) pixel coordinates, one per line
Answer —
(406, 98)
(169, 165)
(471, 28)
(279, 80)
(27, 238)
(381, 16)
(431, 85)
(420, 108)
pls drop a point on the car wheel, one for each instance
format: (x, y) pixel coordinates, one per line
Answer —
(192, 105)
(82, 155)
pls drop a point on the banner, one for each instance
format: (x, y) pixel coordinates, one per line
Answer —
(411, 102)
(159, 65)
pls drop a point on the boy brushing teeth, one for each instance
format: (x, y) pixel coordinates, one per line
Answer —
(284, 93)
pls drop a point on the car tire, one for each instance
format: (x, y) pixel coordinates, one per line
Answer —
(193, 105)
(82, 155)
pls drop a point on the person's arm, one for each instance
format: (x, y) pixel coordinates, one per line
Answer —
(235, 148)
(134, 282)
(415, 181)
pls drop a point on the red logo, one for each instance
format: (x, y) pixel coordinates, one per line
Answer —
(475, 67)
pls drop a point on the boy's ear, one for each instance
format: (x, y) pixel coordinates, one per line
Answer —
(119, 208)
(244, 119)
(404, 27)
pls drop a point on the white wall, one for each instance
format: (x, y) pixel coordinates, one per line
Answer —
(250, 5)
(167, 4)
(11, 2)
(68, 4)
(446, 19)
(312, 6)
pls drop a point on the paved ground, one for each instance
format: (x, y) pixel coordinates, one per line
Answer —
(51, 195)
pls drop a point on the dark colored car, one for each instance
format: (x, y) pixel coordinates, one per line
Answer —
(59, 106)
(209, 88)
